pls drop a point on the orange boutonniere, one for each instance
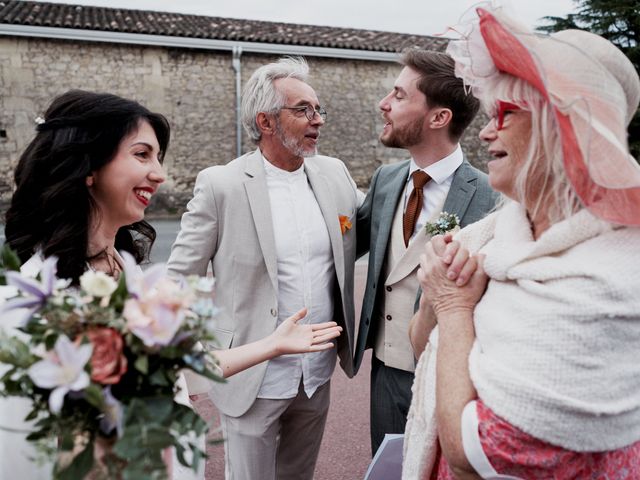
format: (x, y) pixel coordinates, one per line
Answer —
(345, 223)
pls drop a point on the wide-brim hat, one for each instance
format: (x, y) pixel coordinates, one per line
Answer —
(592, 102)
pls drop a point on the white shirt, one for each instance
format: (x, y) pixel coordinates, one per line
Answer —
(306, 276)
(435, 191)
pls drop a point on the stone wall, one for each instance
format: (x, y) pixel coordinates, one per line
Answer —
(195, 89)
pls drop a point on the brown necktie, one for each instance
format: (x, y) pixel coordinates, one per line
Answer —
(414, 205)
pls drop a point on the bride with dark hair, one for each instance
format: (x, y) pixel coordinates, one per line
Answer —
(82, 187)
(58, 203)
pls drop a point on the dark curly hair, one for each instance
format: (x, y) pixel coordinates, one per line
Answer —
(51, 207)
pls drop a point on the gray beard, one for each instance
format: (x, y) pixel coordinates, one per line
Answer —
(293, 145)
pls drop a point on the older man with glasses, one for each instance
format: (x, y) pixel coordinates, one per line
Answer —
(276, 225)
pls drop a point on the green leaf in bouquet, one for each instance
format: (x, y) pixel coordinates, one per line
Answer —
(159, 378)
(171, 351)
(143, 441)
(16, 383)
(50, 338)
(79, 467)
(9, 260)
(130, 446)
(45, 427)
(33, 414)
(120, 294)
(142, 364)
(93, 395)
(66, 441)
(135, 412)
(14, 351)
(180, 450)
(197, 455)
(186, 420)
(157, 438)
(159, 408)
(37, 435)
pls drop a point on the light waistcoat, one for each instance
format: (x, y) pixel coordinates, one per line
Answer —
(392, 345)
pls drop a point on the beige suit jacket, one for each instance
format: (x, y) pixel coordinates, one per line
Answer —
(228, 223)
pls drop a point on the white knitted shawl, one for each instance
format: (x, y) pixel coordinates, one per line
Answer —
(557, 334)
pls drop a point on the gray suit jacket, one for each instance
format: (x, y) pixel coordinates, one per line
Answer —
(470, 197)
(228, 223)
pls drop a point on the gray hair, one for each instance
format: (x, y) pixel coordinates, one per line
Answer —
(260, 94)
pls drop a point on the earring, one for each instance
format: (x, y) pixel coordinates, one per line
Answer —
(89, 181)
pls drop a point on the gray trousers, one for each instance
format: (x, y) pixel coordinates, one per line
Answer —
(390, 401)
(276, 439)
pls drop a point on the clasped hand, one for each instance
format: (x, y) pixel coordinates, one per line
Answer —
(451, 278)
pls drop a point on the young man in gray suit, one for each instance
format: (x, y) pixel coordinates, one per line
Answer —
(426, 112)
(275, 224)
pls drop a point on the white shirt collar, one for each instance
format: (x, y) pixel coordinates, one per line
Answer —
(272, 171)
(442, 169)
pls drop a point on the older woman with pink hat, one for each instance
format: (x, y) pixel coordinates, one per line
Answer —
(532, 370)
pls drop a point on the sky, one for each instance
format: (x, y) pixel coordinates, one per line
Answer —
(424, 17)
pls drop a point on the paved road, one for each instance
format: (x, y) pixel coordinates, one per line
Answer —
(345, 450)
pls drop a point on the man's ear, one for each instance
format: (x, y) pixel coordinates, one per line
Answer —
(441, 118)
(266, 123)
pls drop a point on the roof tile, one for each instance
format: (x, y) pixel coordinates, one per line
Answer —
(20, 12)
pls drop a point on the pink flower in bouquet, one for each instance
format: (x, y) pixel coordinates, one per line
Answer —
(156, 317)
(108, 363)
(158, 305)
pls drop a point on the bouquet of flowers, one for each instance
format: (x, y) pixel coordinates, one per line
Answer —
(99, 364)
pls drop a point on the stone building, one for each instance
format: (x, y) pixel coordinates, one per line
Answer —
(191, 69)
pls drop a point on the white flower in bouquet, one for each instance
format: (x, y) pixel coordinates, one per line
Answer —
(98, 284)
(63, 370)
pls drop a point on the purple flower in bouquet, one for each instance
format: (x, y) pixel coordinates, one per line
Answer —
(35, 293)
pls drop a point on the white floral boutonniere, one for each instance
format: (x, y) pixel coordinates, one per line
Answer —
(446, 222)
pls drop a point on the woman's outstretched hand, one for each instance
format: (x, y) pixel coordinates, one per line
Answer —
(292, 337)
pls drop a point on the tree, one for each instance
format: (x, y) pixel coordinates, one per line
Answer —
(619, 22)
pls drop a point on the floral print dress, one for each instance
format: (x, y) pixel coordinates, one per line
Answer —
(514, 453)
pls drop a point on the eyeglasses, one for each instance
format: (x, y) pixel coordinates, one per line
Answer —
(503, 108)
(308, 111)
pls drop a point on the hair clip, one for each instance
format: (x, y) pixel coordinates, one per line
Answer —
(39, 120)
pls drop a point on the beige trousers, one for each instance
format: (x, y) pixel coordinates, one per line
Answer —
(276, 439)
